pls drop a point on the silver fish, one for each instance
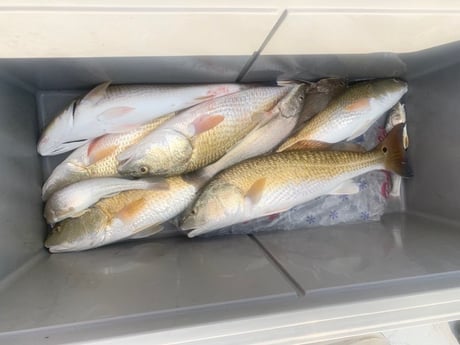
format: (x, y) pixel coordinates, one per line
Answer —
(119, 108)
(73, 200)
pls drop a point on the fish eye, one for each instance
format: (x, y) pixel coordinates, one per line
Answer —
(143, 169)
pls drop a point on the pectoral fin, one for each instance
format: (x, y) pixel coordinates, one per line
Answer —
(131, 211)
(114, 113)
(255, 192)
(206, 122)
(96, 153)
(361, 129)
(361, 104)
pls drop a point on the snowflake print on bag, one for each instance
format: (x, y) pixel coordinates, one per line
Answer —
(311, 219)
(364, 215)
(334, 215)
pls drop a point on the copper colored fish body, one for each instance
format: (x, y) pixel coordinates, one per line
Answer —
(200, 135)
(96, 158)
(271, 184)
(122, 216)
(349, 115)
(264, 138)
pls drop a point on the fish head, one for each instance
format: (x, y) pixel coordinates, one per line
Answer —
(389, 91)
(216, 207)
(85, 232)
(63, 175)
(54, 213)
(292, 104)
(57, 137)
(163, 155)
(64, 204)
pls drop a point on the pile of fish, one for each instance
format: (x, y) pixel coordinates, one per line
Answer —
(208, 156)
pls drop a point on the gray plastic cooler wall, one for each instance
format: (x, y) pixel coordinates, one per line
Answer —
(277, 288)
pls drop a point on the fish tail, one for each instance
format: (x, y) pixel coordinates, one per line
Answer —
(394, 148)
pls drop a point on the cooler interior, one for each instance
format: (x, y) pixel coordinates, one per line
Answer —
(223, 289)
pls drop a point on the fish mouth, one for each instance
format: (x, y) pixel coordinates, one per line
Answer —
(124, 169)
(193, 229)
(185, 227)
(197, 232)
(51, 217)
(57, 248)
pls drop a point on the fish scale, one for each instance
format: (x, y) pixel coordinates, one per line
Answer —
(297, 166)
(189, 148)
(157, 208)
(274, 183)
(77, 167)
(264, 138)
(350, 114)
(108, 221)
(222, 140)
(108, 165)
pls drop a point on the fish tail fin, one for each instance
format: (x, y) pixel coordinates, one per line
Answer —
(394, 148)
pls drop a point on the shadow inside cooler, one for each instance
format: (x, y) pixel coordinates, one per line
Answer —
(174, 273)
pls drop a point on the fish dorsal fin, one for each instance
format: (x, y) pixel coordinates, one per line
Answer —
(96, 94)
(204, 123)
(255, 192)
(346, 188)
(131, 210)
(306, 145)
(95, 153)
(101, 154)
